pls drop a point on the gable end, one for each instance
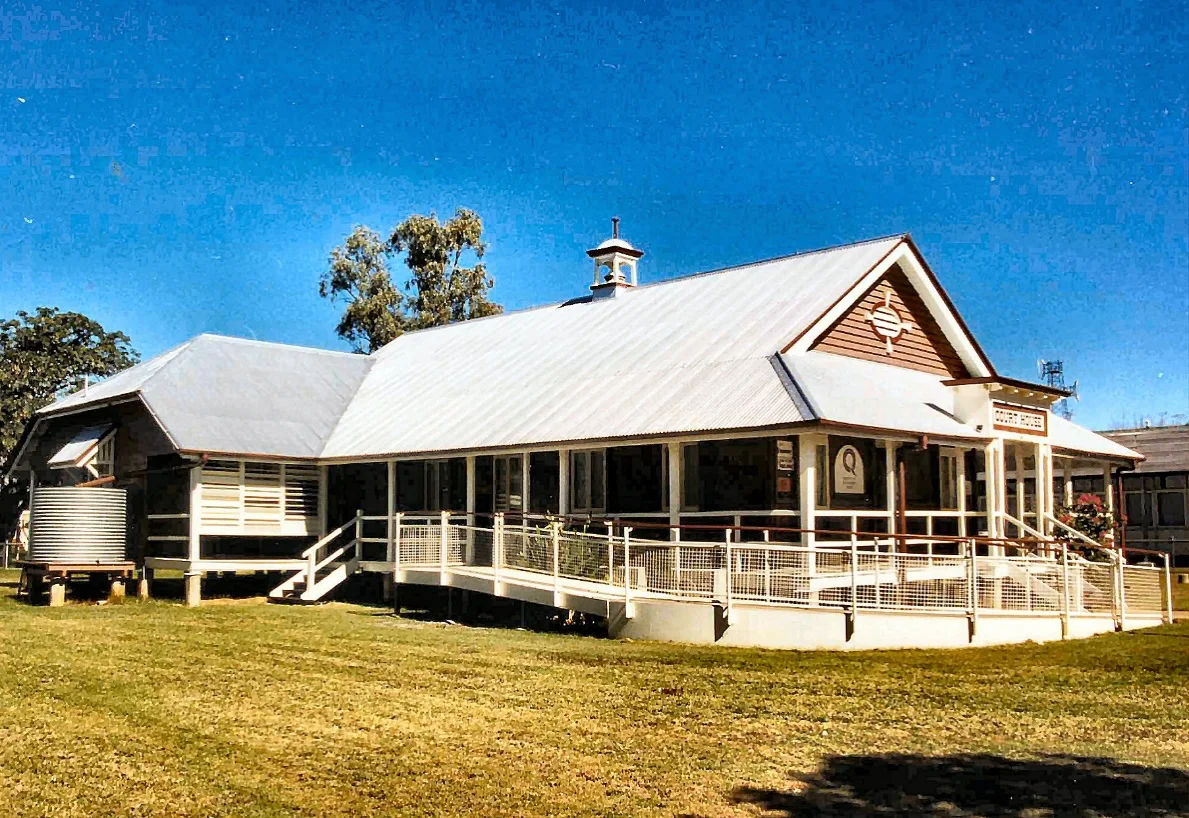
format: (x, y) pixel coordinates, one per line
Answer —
(891, 325)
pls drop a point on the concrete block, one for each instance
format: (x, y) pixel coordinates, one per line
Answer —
(193, 589)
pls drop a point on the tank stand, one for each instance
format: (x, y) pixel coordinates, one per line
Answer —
(57, 577)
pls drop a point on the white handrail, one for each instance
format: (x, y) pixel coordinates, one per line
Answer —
(327, 539)
(334, 555)
(1023, 526)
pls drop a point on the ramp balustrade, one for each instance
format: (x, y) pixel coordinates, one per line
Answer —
(960, 575)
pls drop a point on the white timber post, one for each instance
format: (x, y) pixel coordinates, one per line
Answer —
(497, 551)
(472, 503)
(359, 532)
(611, 555)
(1123, 591)
(396, 547)
(973, 589)
(990, 471)
(730, 570)
(1108, 500)
(627, 570)
(1039, 473)
(563, 483)
(854, 578)
(192, 578)
(1046, 456)
(391, 477)
(194, 551)
(890, 447)
(1168, 585)
(1001, 491)
(960, 465)
(1064, 590)
(674, 489)
(1017, 461)
(556, 560)
(444, 545)
(807, 463)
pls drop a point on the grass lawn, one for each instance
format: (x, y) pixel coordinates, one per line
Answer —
(1180, 595)
(241, 708)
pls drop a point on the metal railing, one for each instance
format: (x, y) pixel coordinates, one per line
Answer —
(885, 572)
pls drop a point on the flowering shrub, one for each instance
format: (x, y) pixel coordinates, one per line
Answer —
(1089, 516)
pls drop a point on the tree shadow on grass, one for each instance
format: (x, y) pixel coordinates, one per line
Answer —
(899, 785)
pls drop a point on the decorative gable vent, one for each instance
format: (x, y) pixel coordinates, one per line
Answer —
(890, 324)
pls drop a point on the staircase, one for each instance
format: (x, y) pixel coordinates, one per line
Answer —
(326, 567)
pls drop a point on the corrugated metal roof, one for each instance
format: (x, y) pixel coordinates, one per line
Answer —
(1064, 434)
(121, 385)
(695, 354)
(1165, 447)
(692, 354)
(218, 394)
(874, 395)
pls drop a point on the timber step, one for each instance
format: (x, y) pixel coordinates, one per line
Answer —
(295, 599)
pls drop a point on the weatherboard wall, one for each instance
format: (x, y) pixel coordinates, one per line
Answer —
(922, 345)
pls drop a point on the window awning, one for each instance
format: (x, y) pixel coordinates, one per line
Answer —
(81, 449)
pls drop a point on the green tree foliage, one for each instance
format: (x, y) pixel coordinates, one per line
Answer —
(449, 281)
(41, 356)
(359, 275)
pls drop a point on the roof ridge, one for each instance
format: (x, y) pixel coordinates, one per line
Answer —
(256, 341)
(651, 284)
(771, 260)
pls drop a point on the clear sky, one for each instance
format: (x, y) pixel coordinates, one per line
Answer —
(171, 170)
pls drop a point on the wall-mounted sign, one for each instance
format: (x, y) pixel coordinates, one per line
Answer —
(1008, 418)
(887, 322)
(848, 471)
(784, 455)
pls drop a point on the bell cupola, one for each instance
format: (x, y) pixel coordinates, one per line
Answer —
(614, 264)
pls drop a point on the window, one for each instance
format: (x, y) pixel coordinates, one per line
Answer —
(1137, 509)
(690, 479)
(437, 485)
(1170, 508)
(104, 463)
(509, 482)
(588, 480)
(949, 479)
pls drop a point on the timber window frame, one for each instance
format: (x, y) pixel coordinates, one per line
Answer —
(508, 474)
(588, 481)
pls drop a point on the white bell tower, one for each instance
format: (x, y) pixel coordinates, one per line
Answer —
(614, 264)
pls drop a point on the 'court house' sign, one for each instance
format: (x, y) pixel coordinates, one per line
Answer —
(1008, 418)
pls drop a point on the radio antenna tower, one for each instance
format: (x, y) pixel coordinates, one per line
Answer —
(1053, 374)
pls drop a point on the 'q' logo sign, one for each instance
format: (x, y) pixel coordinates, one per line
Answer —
(849, 461)
(886, 321)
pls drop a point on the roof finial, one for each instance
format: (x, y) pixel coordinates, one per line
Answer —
(614, 227)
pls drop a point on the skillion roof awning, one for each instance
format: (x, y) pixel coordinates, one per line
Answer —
(81, 449)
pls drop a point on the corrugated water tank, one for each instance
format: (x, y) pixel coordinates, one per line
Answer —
(78, 525)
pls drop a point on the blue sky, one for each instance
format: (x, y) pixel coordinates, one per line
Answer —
(170, 170)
